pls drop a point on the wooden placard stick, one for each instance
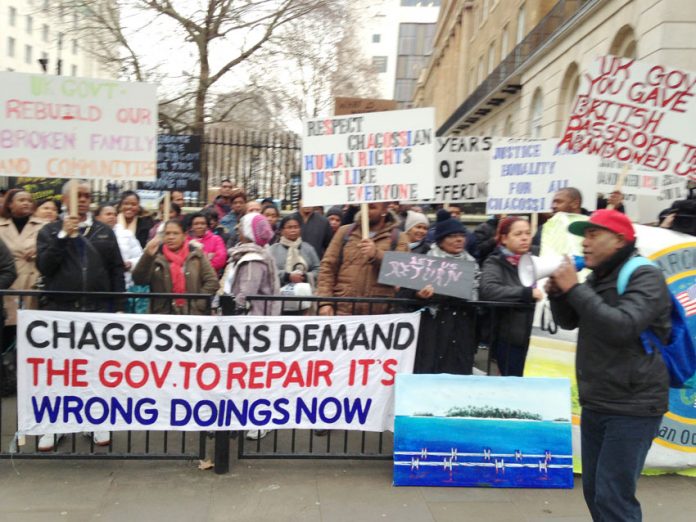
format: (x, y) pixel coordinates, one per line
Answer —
(166, 206)
(620, 182)
(534, 222)
(365, 220)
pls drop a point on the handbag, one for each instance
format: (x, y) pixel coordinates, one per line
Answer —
(296, 290)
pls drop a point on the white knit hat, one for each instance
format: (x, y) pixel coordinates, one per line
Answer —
(413, 219)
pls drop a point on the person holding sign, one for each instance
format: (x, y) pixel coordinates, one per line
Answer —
(446, 342)
(624, 391)
(416, 228)
(350, 266)
(500, 282)
(130, 216)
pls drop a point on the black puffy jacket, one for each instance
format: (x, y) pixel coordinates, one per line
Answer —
(614, 373)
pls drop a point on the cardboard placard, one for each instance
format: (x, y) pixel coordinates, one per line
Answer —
(525, 174)
(344, 106)
(178, 164)
(366, 158)
(635, 112)
(68, 127)
(448, 276)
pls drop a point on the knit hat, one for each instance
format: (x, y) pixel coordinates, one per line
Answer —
(335, 211)
(413, 219)
(256, 227)
(447, 225)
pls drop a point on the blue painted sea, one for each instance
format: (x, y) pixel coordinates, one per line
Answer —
(442, 451)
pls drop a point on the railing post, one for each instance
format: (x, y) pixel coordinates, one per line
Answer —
(222, 452)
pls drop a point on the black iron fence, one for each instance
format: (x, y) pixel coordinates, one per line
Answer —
(278, 444)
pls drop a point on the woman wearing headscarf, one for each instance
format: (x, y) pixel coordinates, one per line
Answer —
(251, 270)
(296, 260)
(131, 217)
(446, 341)
(416, 228)
(500, 282)
(171, 265)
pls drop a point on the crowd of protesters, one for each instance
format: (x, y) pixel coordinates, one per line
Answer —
(235, 248)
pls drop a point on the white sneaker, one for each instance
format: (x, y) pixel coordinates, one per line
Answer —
(256, 434)
(49, 441)
(101, 438)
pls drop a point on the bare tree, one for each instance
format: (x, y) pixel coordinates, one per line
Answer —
(207, 40)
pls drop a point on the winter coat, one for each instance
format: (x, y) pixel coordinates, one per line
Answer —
(500, 282)
(614, 373)
(142, 229)
(91, 262)
(213, 244)
(251, 271)
(345, 272)
(421, 248)
(200, 279)
(21, 244)
(280, 255)
(317, 232)
(130, 251)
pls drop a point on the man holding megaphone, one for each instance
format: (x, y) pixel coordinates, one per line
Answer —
(623, 390)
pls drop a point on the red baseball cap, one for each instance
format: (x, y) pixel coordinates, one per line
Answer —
(611, 220)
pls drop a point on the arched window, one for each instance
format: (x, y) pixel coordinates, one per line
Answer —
(508, 129)
(566, 99)
(536, 115)
(624, 43)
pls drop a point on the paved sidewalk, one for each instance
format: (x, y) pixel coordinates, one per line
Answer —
(299, 490)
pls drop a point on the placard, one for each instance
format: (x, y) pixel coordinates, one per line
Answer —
(461, 169)
(178, 164)
(448, 276)
(87, 372)
(343, 105)
(525, 174)
(385, 156)
(636, 112)
(68, 127)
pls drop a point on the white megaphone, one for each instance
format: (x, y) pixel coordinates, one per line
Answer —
(532, 268)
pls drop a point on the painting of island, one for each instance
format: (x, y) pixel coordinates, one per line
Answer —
(481, 431)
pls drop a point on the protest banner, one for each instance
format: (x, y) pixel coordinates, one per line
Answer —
(79, 371)
(344, 106)
(178, 164)
(525, 174)
(635, 112)
(448, 276)
(365, 158)
(68, 127)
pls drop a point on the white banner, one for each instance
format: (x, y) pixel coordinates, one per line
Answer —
(364, 158)
(92, 372)
(637, 113)
(68, 127)
(525, 174)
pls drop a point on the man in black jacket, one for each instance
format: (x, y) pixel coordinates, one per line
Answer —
(623, 390)
(79, 255)
(315, 229)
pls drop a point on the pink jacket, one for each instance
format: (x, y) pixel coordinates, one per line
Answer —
(213, 244)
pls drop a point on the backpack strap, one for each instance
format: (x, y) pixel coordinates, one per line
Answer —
(627, 271)
(345, 239)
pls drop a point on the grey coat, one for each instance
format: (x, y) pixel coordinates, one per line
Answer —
(614, 373)
(280, 254)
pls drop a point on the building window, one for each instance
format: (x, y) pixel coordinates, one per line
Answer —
(491, 57)
(74, 46)
(520, 25)
(44, 33)
(10, 46)
(479, 73)
(60, 41)
(376, 38)
(73, 70)
(504, 42)
(536, 115)
(380, 63)
(30, 24)
(28, 52)
(508, 128)
(12, 16)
